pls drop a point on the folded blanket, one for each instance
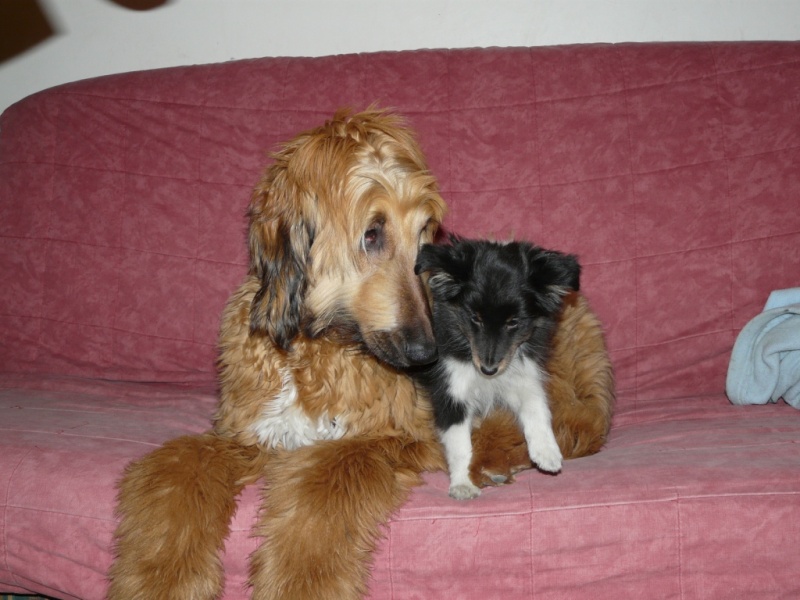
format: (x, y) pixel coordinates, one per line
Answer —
(781, 298)
(765, 363)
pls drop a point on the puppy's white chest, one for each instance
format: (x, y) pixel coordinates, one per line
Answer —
(284, 423)
(521, 379)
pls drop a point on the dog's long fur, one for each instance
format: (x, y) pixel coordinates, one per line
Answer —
(313, 398)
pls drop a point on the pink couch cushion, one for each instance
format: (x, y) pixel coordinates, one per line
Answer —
(64, 443)
(693, 498)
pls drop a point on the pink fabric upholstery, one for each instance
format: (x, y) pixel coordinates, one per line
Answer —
(670, 169)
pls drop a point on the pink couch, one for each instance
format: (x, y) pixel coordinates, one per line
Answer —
(673, 170)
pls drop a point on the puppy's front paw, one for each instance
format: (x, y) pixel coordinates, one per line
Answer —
(464, 491)
(547, 457)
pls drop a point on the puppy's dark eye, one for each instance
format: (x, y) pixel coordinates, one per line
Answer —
(512, 323)
(475, 318)
(372, 241)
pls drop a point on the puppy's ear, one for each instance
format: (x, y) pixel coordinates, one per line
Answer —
(280, 238)
(552, 275)
(448, 267)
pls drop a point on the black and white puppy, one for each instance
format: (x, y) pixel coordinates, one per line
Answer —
(495, 310)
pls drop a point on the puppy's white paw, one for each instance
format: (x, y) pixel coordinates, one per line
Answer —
(547, 457)
(464, 491)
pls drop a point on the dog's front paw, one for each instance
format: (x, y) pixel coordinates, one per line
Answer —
(547, 457)
(464, 491)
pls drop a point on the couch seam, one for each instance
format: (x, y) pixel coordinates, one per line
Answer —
(728, 193)
(537, 139)
(634, 259)
(788, 148)
(202, 134)
(680, 542)
(450, 176)
(237, 264)
(65, 514)
(535, 117)
(133, 249)
(120, 247)
(103, 96)
(86, 437)
(391, 562)
(666, 498)
(532, 570)
(5, 516)
(116, 329)
(46, 250)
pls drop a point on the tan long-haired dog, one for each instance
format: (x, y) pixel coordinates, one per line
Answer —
(313, 398)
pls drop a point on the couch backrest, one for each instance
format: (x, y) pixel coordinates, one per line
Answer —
(671, 169)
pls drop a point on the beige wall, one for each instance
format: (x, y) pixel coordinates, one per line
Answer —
(95, 37)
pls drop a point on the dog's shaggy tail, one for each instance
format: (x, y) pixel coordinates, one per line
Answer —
(581, 384)
(175, 506)
(325, 507)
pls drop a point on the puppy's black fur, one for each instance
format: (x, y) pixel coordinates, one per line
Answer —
(495, 309)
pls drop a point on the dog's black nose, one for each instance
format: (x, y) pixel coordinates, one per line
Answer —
(488, 371)
(420, 353)
(419, 349)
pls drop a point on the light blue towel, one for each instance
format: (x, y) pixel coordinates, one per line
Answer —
(765, 363)
(781, 298)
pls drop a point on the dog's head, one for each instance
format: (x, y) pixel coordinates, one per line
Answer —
(496, 297)
(335, 226)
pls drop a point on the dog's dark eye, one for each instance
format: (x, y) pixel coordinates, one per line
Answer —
(476, 319)
(373, 238)
(512, 323)
(425, 232)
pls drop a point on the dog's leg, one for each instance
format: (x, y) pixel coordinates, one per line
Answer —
(534, 415)
(457, 444)
(323, 509)
(175, 505)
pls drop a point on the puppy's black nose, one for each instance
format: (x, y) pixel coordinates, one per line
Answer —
(488, 371)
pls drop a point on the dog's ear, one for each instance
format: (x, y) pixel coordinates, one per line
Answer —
(449, 267)
(280, 238)
(552, 275)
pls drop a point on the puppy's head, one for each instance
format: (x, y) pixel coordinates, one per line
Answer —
(335, 227)
(497, 297)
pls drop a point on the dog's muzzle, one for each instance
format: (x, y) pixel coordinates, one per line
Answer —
(403, 348)
(418, 348)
